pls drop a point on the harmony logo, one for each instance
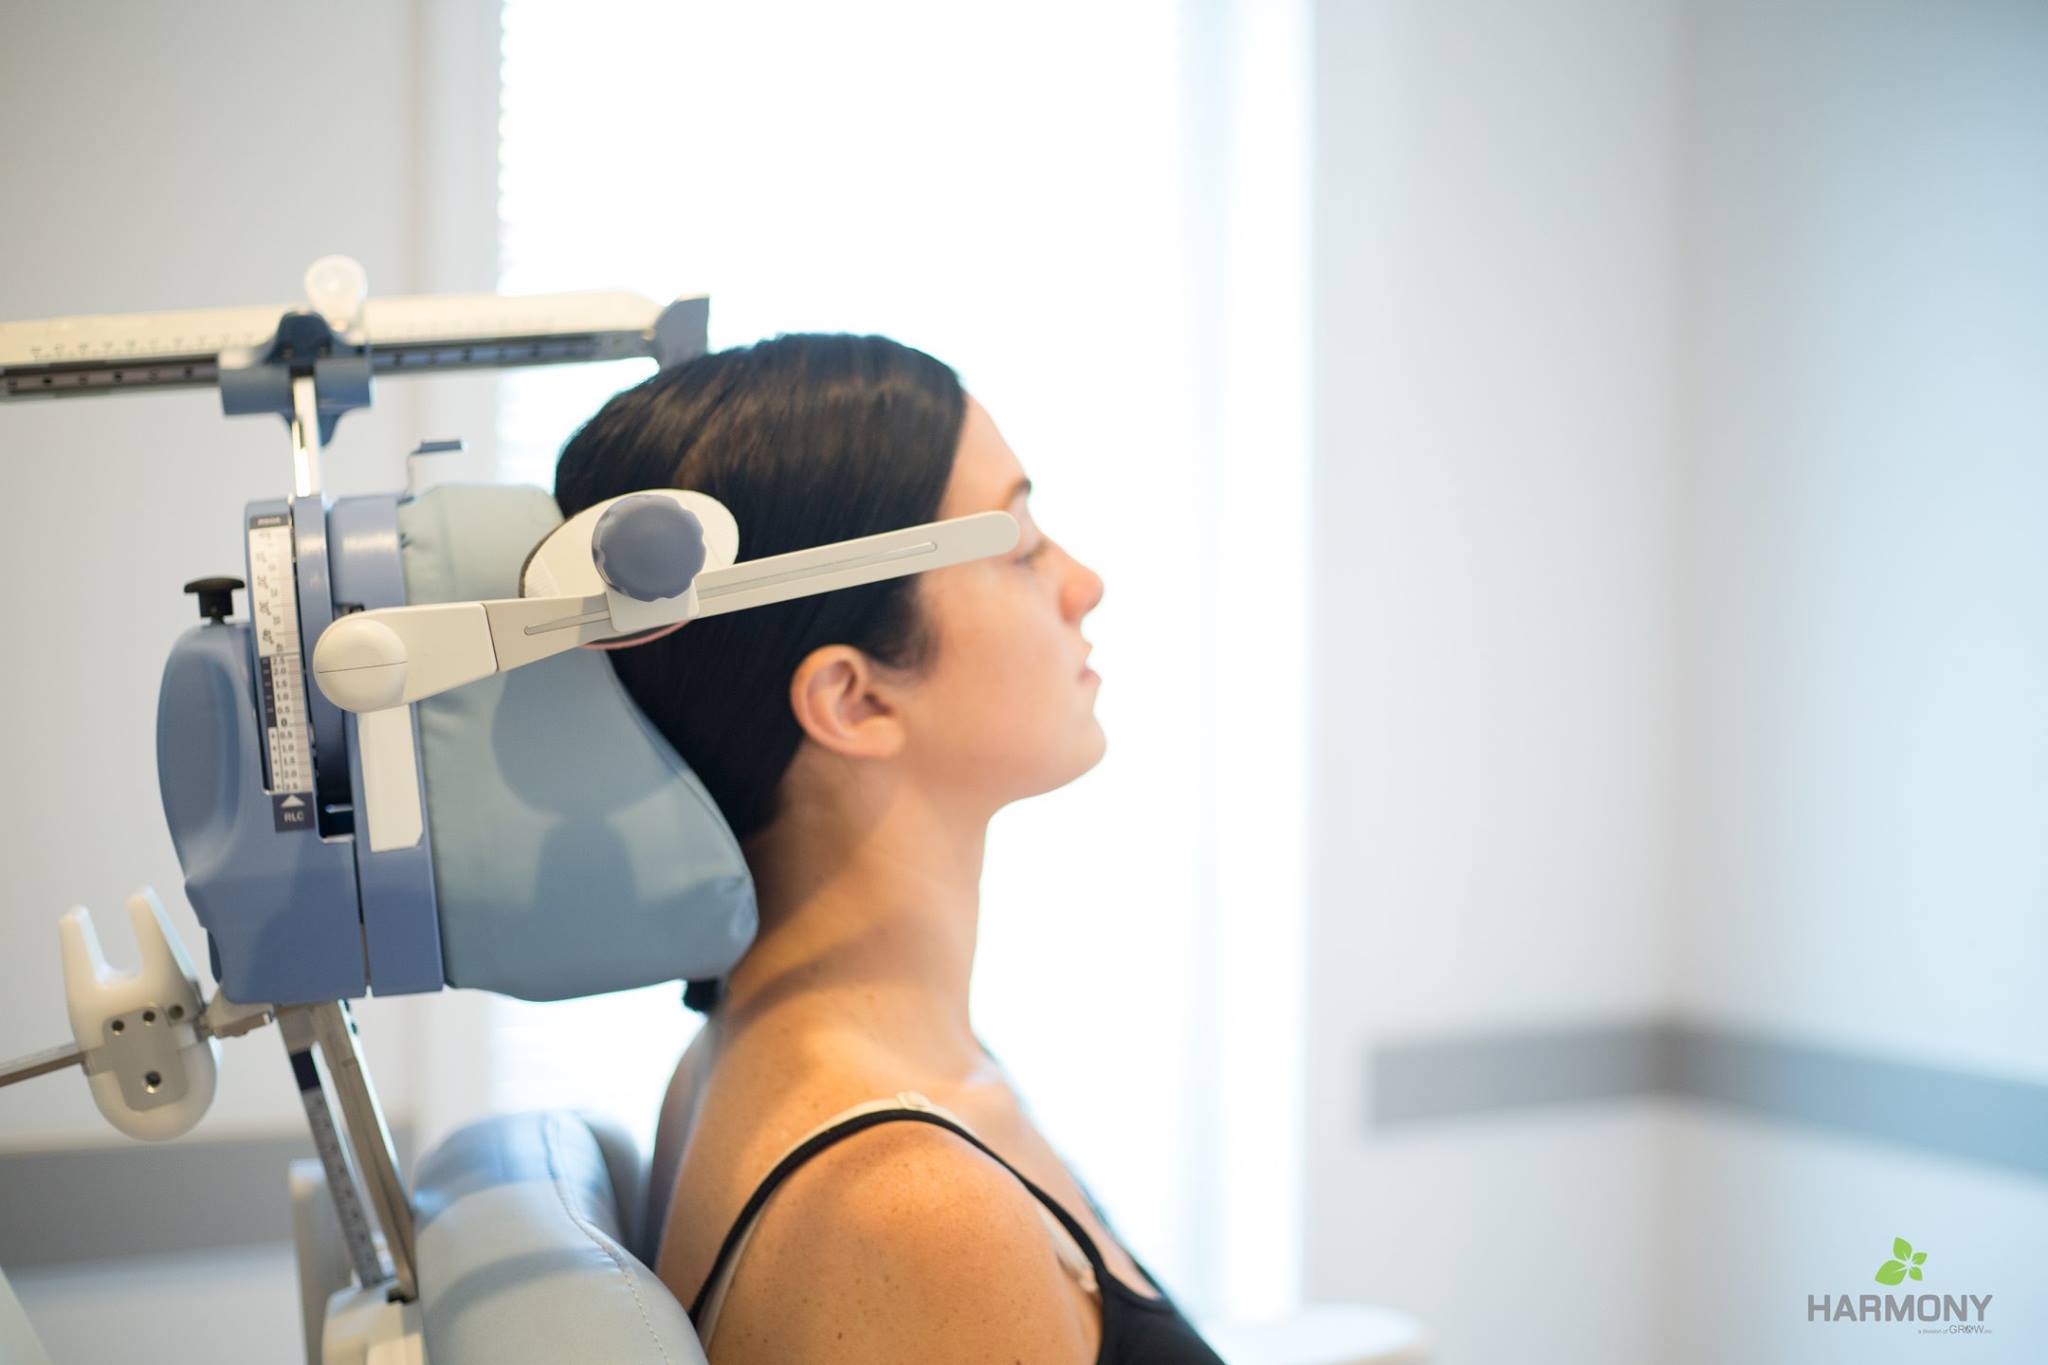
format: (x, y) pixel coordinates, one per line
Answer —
(1963, 1313)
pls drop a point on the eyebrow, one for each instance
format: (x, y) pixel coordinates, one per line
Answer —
(1023, 486)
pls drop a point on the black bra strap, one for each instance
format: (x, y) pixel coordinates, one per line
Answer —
(805, 1150)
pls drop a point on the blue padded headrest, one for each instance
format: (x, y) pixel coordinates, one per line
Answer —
(574, 851)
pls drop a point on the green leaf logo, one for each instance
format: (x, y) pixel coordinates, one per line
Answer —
(1905, 1261)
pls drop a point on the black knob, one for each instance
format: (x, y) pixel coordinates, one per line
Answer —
(216, 596)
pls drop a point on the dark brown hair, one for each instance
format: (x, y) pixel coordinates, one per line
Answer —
(807, 438)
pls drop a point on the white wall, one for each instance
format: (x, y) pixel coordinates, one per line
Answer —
(1494, 627)
(1681, 481)
(1866, 710)
(1763, 1215)
(1867, 523)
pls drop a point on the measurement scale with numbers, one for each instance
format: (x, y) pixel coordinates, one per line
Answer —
(280, 673)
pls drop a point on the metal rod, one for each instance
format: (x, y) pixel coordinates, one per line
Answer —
(85, 356)
(305, 437)
(335, 1028)
(91, 378)
(295, 1024)
(40, 1063)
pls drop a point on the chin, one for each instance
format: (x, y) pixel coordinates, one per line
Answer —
(1092, 748)
(1078, 759)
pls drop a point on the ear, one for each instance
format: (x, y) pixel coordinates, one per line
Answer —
(842, 701)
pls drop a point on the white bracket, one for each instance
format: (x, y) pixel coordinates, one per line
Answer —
(150, 1066)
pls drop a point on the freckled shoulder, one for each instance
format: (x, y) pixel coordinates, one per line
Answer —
(903, 1241)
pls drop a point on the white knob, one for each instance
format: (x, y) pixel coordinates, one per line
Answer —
(336, 286)
(360, 664)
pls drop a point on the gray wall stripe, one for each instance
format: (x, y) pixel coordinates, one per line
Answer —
(1952, 1113)
(1969, 1116)
(149, 1198)
(1437, 1078)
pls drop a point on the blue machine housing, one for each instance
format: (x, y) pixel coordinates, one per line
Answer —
(567, 849)
(303, 912)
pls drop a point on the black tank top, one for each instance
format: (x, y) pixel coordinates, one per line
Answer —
(1136, 1328)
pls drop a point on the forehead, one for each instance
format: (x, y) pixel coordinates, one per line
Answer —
(985, 469)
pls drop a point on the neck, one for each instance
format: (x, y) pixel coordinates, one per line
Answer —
(869, 909)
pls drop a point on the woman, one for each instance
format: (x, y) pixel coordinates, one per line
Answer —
(858, 743)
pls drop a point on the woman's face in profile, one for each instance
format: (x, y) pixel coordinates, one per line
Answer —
(1007, 708)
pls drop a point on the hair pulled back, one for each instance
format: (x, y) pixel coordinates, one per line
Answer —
(808, 438)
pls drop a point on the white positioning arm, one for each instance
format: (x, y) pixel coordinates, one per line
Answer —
(626, 565)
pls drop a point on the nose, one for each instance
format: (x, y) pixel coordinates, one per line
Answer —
(1083, 590)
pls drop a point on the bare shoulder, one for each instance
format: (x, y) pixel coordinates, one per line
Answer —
(903, 1241)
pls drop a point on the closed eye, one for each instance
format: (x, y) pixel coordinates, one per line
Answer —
(1033, 553)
